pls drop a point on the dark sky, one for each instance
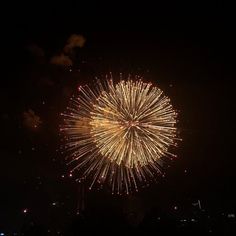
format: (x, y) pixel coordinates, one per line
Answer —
(186, 49)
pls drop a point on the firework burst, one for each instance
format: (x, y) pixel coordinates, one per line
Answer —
(120, 134)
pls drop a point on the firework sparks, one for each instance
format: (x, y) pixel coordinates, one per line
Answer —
(119, 134)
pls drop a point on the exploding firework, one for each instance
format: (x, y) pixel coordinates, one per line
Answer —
(119, 133)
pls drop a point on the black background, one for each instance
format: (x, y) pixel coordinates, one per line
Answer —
(187, 49)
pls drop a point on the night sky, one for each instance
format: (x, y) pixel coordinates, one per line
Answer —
(185, 49)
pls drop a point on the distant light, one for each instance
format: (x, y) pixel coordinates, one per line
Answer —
(2, 234)
(231, 215)
(183, 220)
(70, 175)
(25, 211)
(54, 203)
(175, 208)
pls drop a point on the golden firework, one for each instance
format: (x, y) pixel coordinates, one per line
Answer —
(120, 133)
